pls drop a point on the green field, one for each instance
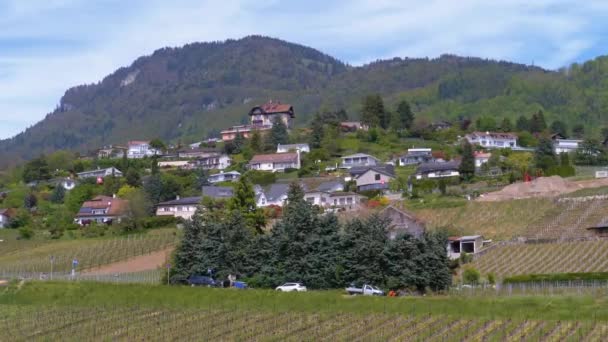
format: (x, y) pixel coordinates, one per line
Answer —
(89, 311)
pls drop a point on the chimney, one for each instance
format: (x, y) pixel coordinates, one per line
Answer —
(177, 198)
(113, 195)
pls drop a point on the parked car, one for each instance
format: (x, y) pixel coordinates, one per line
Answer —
(240, 285)
(290, 287)
(366, 290)
(197, 280)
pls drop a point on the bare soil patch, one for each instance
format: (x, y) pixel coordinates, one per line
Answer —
(541, 187)
(140, 263)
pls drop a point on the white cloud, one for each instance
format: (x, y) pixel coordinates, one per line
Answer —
(98, 37)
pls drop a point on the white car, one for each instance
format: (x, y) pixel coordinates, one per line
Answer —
(290, 287)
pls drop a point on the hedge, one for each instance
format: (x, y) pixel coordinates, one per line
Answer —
(530, 278)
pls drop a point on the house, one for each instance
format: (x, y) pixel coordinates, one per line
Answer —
(438, 169)
(339, 199)
(213, 161)
(102, 209)
(224, 177)
(566, 145)
(464, 244)
(218, 192)
(358, 159)
(195, 153)
(303, 148)
(275, 162)
(402, 222)
(353, 126)
(67, 183)
(5, 217)
(100, 173)
(264, 115)
(137, 149)
(373, 178)
(275, 194)
(492, 139)
(111, 152)
(180, 164)
(440, 125)
(244, 130)
(331, 186)
(415, 156)
(179, 207)
(481, 158)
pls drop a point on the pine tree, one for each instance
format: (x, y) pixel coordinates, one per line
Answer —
(255, 142)
(316, 135)
(406, 116)
(558, 127)
(506, 125)
(58, 194)
(243, 201)
(278, 135)
(467, 165)
(523, 124)
(538, 123)
(373, 112)
(544, 156)
(238, 143)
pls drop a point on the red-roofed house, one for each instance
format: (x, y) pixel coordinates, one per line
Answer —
(275, 162)
(265, 114)
(481, 158)
(102, 209)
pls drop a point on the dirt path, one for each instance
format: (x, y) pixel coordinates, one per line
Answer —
(542, 187)
(137, 264)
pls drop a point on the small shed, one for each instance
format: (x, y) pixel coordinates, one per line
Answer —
(464, 244)
(402, 222)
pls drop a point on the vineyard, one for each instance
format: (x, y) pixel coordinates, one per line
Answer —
(35, 257)
(27, 323)
(545, 258)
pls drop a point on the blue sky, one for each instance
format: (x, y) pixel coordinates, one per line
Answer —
(47, 46)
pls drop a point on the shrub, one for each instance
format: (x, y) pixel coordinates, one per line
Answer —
(261, 177)
(471, 276)
(26, 233)
(158, 222)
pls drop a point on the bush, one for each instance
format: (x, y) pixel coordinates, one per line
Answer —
(371, 193)
(471, 276)
(158, 222)
(261, 177)
(528, 278)
(26, 233)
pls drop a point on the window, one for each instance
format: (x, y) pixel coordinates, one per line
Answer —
(310, 199)
(377, 176)
(349, 200)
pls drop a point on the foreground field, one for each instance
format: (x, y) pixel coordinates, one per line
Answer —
(545, 258)
(95, 312)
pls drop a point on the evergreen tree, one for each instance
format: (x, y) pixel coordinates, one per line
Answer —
(405, 115)
(538, 123)
(132, 177)
(316, 135)
(522, 124)
(373, 112)
(255, 142)
(58, 194)
(238, 143)
(506, 125)
(153, 186)
(564, 159)
(544, 156)
(36, 170)
(243, 201)
(154, 165)
(278, 135)
(558, 127)
(30, 201)
(578, 131)
(187, 257)
(467, 165)
(604, 134)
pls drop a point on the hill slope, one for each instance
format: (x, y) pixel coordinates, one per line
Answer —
(189, 92)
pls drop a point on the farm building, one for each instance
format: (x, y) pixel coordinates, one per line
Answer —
(464, 244)
(402, 222)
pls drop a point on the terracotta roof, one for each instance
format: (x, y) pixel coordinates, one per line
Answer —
(482, 155)
(271, 107)
(115, 206)
(274, 158)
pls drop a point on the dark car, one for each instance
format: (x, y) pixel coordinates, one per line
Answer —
(202, 281)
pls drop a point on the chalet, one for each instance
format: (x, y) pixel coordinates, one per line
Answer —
(464, 244)
(218, 192)
(264, 115)
(5, 217)
(137, 149)
(481, 158)
(100, 173)
(358, 159)
(102, 209)
(492, 139)
(415, 156)
(275, 162)
(373, 177)
(438, 169)
(180, 207)
(212, 161)
(224, 177)
(303, 148)
(566, 145)
(402, 222)
(353, 126)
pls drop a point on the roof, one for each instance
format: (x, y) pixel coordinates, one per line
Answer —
(359, 155)
(182, 201)
(495, 135)
(328, 186)
(271, 107)
(218, 191)
(288, 157)
(138, 142)
(294, 146)
(482, 155)
(402, 212)
(99, 170)
(276, 191)
(235, 173)
(438, 166)
(115, 206)
(385, 169)
(343, 193)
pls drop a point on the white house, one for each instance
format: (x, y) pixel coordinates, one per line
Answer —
(138, 149)
(213, 161)
(415, 156)
(481, 158)
(492, 139)
(179, 207)
(111, 171)
(566, 145)
(275, 194)
(358, 159)
(264, 115)
(5, 216)
(275, 162)
(224, 177)
(374, 178)
(464, 244)
(438, 170)
(303, 148)
(340, 199)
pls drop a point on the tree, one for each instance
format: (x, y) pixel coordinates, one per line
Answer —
(30, 201)
(604, 134)
(255, 142)
(558, 127)
(125, 191)
(522, 124)
(158, 145)
(132, 177)
(506, 125)
(58, 194)
(278, 135)
(471, 276)
(238, 143)
(243, 201)
(140, 206)
(36, 170)
(590, 152)
(538, 123)
(578, 131)
(78, 195)
(373, 113)
(467, 165)
(486, 123)
(544, 156)
(405, 115)
(316, 134)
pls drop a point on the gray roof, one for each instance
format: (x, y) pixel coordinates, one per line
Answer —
(277, 190)
(182, 201)
(330, 185)
(438, 166)
(359, 155)
(385, 169)
(218, 191)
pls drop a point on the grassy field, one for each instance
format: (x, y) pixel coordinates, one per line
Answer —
(88, 311)
(546, 258)
(34, 256)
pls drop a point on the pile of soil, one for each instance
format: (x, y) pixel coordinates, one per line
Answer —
(540, 187)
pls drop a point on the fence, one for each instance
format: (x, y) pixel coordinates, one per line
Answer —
(544, 288)
(144, 277)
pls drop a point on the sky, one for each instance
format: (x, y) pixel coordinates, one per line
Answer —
(48, 46)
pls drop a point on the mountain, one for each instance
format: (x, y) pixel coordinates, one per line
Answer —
(190, 92)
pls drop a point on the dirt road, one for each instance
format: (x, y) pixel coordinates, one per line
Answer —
(137, 264)
(542, 187)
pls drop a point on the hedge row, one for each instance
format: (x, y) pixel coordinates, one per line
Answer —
(530, 278)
